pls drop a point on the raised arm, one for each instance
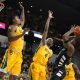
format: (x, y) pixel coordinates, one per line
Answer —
(68, 45)
(46, 28)
(66, 36)
(22, 17)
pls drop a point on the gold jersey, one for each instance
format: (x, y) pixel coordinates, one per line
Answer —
(18, 44)
(42, 55)
(70, 73)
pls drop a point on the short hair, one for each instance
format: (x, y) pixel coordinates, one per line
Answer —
(49, 39)
(11, 18)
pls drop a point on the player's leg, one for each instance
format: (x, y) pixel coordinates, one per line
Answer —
(11, 61)
(16, 70)
(43, 75)
(34, 71)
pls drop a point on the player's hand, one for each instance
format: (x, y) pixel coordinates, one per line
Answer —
(21, 5)
(26, 30)
(50, 14)
(75, 26)
(72, 29)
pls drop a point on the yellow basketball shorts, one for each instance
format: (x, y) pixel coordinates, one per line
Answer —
(14, 62)
(37, 72)
(70, 78)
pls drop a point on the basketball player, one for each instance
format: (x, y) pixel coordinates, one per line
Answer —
(64, 55)
(16, 42)
(37, 70)
(72, 71)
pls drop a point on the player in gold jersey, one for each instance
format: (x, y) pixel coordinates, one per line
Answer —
(16, 42)
(37, 70)
(72, 71)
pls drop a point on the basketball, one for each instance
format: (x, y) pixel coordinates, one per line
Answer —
(77, 31)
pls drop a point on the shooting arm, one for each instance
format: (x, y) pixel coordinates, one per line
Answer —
(66, 36)
(68, 45)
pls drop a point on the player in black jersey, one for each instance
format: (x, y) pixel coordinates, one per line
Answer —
(63, 57)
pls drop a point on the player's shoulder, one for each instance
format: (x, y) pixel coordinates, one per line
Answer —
(11, 28)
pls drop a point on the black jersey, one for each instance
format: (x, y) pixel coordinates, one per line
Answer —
(59, 66)
(62, 58)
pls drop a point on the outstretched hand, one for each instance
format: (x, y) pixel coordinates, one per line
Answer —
(26, 30)
(21, 5)
(72, 29)
(50, 14)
